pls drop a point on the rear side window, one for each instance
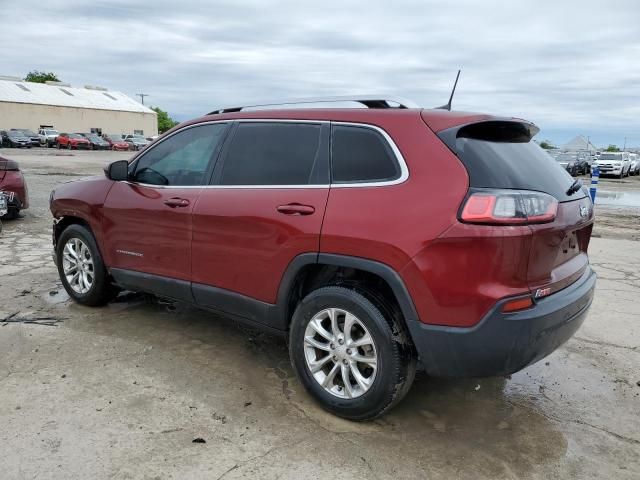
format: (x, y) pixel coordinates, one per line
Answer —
(501, 154)
(361, 154)
(265, 153)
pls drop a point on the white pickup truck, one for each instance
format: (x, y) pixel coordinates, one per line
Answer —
(47, 137)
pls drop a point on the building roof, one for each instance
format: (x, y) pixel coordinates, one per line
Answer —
(16, 91)
(578, 143)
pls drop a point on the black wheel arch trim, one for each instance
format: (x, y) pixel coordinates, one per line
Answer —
(382, 270)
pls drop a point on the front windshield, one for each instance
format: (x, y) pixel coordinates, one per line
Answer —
(565, 157)
(610, 156)
(28, 133)
(138, 138)
(14, 133)
(75, 135)
(51, 132)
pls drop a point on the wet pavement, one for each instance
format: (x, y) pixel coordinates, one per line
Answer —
(618, 199)
(122, 391)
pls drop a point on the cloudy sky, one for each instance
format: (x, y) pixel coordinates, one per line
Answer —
(570, 66)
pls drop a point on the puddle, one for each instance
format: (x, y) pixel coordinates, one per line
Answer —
(618, 199)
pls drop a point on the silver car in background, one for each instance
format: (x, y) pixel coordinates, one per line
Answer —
(634, 169)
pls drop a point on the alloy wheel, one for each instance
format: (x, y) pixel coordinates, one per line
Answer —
(340, 353)
(77, 265)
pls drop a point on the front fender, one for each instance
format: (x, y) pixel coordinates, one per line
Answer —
(82, 199)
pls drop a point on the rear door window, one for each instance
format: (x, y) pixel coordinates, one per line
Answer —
(276, 153)
(361, 155)
(502, 154)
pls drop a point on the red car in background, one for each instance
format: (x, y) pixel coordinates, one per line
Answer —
(116, 142)
(72, 140)
(12, 183)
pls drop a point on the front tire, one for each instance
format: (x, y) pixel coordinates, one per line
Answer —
(81, 269)
(12, 214)
(355, 360)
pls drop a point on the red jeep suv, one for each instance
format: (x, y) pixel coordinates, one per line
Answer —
(374, 238)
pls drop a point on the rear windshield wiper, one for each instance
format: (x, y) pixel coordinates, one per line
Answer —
(575, 187)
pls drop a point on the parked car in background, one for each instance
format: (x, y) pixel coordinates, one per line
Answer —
(47, 137)
(72, 141)
(554, 152)
(634, 167)
(481, 274)
(30, 134)
(614, 163)
(96, 142)
(136, 142)
(15, 139)
(573, 162)
(12, 182)
(116, 141)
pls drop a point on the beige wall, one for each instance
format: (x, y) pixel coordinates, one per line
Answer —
(70, 119)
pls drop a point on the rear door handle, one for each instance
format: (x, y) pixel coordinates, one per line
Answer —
(296, 209)
(177, 202)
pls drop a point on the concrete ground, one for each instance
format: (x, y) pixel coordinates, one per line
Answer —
(122, 391)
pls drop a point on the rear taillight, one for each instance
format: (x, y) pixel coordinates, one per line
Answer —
(508, 207)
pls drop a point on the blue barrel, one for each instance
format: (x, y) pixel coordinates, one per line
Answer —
(595, 176)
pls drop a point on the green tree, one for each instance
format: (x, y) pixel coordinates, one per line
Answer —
(165, 122)
(612, 148)
(37, 76)
(546, 144)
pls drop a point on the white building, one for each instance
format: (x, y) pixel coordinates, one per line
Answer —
(578, 144)
(71, 109)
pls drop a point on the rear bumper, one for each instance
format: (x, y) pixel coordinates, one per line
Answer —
(502, 344)
(14, 182)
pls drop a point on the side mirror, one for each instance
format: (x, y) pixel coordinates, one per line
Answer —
(118, 171)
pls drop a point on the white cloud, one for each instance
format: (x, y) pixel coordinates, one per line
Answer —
(569, 66)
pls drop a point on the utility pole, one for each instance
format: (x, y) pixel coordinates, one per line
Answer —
(142, 95)
(624, 148)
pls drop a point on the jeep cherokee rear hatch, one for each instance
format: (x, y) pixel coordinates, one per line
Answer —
(512, 181)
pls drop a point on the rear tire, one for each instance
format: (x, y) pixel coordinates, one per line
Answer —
(358, 373)
(89, 282)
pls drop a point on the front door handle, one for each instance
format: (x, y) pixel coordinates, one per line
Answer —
(177, 202)
(296, 209)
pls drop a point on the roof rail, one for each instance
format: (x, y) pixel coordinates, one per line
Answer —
(369, 101)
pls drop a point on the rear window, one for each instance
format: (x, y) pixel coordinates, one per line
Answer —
(504, 155)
